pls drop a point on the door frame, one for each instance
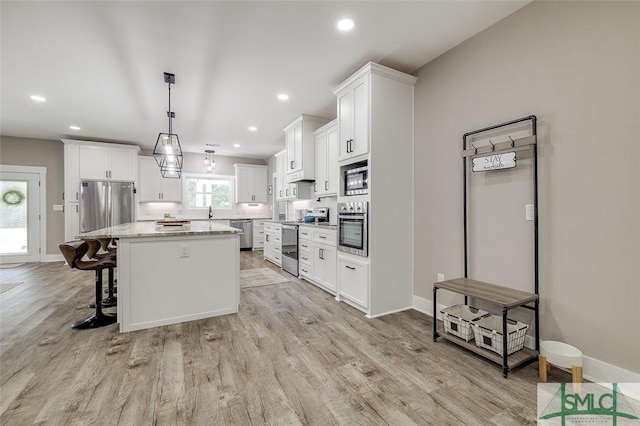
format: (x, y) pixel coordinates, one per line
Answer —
(42, 174)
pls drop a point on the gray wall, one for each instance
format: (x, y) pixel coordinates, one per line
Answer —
(43, 153)
(576, 65)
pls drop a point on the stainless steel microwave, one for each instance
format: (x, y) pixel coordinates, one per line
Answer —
(356, 181)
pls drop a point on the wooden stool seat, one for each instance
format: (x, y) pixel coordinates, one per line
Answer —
(73, 252)
(94, 253)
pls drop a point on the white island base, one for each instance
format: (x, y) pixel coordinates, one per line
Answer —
(167, 280)
(173, 275)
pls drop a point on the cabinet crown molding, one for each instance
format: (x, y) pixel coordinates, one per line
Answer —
(307, 119)
(100, 144)
(377, 69)
(327, 126)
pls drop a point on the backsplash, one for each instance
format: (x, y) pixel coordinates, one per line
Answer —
(330, 202)
(153, 211)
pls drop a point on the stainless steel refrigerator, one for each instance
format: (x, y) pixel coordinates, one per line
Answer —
(104, 204)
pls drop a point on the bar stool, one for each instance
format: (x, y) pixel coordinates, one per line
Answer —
(94, 253)
(73, 252)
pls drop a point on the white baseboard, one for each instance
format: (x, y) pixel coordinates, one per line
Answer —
(593, 369)
(389, 312)
(52, 258)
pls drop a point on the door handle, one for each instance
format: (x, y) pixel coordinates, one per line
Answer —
(315, 187)
(295, 191)
(292, 163)
(287, 192)
(326, 185)
(349, 267)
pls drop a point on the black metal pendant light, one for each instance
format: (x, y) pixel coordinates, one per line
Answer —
(168, 152)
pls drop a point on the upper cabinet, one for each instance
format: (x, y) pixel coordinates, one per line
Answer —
(353, 118)
(71, 173)
(153, 187)
(289, 191)
(300, 150)
(100, 161)
(327, 171)
(251, 183)
(97, 161)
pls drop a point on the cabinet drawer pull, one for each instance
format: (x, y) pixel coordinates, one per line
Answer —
(349, 267)
(322, 236)
(326, 185)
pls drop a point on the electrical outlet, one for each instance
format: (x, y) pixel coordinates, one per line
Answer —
(528, 211)
(440, 277)
(184, 250)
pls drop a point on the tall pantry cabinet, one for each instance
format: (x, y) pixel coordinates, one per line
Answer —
(375, 125)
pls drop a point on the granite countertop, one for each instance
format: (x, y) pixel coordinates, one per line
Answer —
(150, 229)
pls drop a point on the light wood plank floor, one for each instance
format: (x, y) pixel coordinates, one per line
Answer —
(293, 355)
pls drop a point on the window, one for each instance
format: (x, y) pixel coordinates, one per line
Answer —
(214, 191)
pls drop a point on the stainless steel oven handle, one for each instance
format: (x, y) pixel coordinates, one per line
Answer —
(351, 216)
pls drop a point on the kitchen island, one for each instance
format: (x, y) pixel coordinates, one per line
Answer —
(172, 274)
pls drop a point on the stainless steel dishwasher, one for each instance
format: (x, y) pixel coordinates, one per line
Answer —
(246, 236)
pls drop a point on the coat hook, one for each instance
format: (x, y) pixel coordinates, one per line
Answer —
(493, 147)
(474, 147)
(513, 143)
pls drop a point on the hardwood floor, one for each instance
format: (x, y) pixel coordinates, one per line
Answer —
(293, 355)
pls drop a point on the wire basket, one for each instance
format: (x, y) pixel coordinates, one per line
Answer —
(457, 320)
(488, 334)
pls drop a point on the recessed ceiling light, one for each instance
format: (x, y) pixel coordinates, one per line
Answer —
(38, 98)
(253, 129)
(345, 24)
(283, 97)
(74, 127)
(236, 145)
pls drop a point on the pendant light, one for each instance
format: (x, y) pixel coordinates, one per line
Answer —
(209, 162)
(168, 152)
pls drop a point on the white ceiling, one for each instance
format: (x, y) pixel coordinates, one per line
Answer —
(100, 64)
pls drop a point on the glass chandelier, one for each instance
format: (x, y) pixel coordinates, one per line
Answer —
(168, 152)
(209, 162)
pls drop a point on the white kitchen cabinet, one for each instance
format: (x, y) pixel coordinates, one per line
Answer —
(353, 118)
(376, 126)
(258, 234)
(327, 170)
(153, 187)
(251, 183)
(289, 191)
(108, 162)
(324, 266)
(353, 280)
(273, 242)
(317, 256)
(71, 221)
(71, 173)
(299, 142)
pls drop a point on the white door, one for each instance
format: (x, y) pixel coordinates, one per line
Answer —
(19, 217)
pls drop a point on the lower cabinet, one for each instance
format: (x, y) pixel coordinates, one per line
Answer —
(71, 221)
(317, 257)
(258, 234)
(273, 242)
(353, 280)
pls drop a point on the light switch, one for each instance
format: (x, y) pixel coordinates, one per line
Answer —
(528, 212)
(440, 277)
(58, 207)
(184, 250)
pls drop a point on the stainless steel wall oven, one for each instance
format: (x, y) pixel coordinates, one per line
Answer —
(352, 228)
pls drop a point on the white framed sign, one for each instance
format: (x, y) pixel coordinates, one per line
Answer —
(494, 162)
